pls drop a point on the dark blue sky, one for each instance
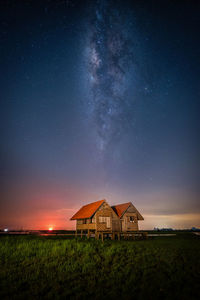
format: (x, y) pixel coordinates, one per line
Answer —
(99, 99)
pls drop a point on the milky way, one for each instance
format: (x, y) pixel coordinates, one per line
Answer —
(110, 58)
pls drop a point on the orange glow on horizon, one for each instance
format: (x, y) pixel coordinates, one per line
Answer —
(50, 228)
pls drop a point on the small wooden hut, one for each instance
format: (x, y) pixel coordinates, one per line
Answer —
(128, 216)
(97, 216)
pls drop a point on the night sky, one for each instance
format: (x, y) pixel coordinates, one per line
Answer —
(99, 99)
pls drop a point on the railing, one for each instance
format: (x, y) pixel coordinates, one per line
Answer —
(85, 226)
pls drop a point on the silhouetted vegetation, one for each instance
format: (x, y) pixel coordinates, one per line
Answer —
(35, 267)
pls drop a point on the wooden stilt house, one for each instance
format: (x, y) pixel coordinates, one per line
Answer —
(97, 216)
(128, 216)
(100, 217)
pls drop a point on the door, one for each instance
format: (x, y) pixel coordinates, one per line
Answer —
(115, 225)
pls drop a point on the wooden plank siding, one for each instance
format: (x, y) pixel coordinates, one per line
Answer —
(127, 225)
(104, 211)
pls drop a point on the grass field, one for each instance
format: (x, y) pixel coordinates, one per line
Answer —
(34, 267)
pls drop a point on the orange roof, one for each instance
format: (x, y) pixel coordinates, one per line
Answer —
(87, 210)
(120, 209)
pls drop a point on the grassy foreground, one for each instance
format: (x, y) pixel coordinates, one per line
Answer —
(58, 268)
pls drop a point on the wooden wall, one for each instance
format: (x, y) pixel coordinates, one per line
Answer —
(103, 211)
(126, 225)
(106, 211)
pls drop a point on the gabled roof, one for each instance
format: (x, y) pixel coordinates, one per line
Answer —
(121, 209)
(87, 211)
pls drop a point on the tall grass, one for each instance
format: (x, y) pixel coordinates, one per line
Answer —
(57, 268)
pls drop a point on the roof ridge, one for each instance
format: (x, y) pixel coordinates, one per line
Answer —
(94, 202)
(122, 204)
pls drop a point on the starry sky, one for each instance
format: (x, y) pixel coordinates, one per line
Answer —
(99, 100)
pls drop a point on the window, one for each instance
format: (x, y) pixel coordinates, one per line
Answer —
(132, 219)
(102, 219)
(105, 220)
(108, 222)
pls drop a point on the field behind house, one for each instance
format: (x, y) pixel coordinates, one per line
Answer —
(35, 267)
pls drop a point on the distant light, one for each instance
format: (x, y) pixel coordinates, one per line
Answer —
(6, 229)
(50, 228)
